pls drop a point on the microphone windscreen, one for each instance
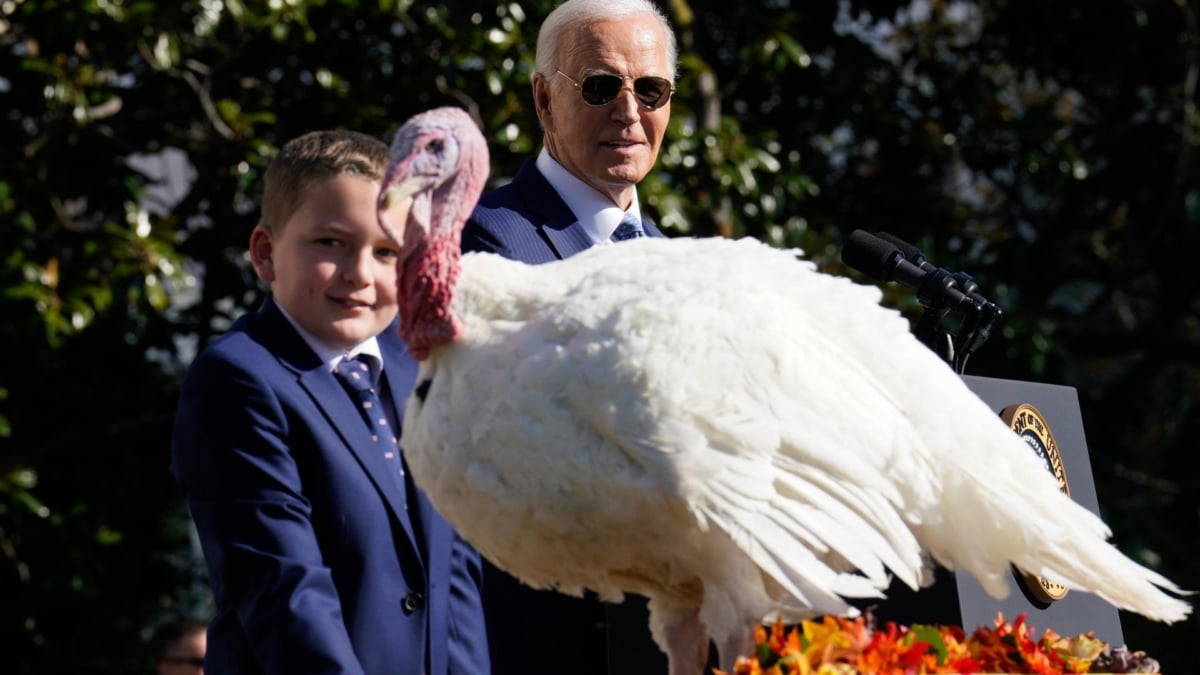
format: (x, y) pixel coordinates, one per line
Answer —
(912, 253)
(869, 254)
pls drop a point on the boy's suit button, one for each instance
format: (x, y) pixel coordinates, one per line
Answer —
(413, 602)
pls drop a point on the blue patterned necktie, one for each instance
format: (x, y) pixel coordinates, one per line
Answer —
(630, 228)
(356, 375)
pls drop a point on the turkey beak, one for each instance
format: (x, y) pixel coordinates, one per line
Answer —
(395, 207)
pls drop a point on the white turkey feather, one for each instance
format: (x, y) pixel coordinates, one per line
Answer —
(714, 424)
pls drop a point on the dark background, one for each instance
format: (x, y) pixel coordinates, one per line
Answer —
(1047, 148)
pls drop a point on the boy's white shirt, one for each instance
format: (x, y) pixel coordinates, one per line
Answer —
(331, 355)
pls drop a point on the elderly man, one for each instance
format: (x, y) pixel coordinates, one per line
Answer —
(603, 86)
(602, 90)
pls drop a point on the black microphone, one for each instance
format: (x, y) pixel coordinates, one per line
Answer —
(911, 253)
(889, 258)
(885, 261)
(964, 281)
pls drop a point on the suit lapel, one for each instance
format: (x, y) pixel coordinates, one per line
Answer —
(340, 411)
(347, 422)
(402, 371)
(555, 221)
(558, 224)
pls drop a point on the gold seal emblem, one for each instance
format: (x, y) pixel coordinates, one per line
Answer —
(1032, 427)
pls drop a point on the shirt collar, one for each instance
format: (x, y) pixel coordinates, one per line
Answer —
(331, 355)
(595, 213)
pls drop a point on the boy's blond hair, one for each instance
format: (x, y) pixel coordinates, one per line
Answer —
(313, 157)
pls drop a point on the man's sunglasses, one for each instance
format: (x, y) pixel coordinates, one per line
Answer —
(601, 89)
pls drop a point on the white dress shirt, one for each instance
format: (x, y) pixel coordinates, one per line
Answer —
(597, 215)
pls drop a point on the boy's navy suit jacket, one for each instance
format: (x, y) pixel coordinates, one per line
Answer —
(317, 562)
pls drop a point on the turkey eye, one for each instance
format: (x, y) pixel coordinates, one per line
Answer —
(434, 146)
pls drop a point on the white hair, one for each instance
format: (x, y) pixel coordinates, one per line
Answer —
(572, 13)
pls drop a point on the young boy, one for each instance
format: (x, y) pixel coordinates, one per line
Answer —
(322, 554)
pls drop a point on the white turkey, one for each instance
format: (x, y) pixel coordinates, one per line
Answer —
(710, 423)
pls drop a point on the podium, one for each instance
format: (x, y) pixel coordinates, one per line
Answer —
(959, 599)
(952, 599)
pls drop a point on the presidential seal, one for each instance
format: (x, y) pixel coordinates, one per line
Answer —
(1032, 427)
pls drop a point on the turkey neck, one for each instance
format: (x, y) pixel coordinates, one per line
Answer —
(426, 282)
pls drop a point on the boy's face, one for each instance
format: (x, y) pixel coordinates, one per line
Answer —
(331, 267)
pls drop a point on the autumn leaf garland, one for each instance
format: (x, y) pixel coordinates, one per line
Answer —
(841, 646)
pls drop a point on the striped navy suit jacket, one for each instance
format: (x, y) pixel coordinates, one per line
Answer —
(526, 220)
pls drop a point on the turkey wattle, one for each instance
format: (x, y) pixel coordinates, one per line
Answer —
(713, 424)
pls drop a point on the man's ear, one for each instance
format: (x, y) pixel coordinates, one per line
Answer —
(261, 250)
(541, 101)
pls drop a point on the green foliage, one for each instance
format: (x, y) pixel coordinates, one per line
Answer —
(1047, 148)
